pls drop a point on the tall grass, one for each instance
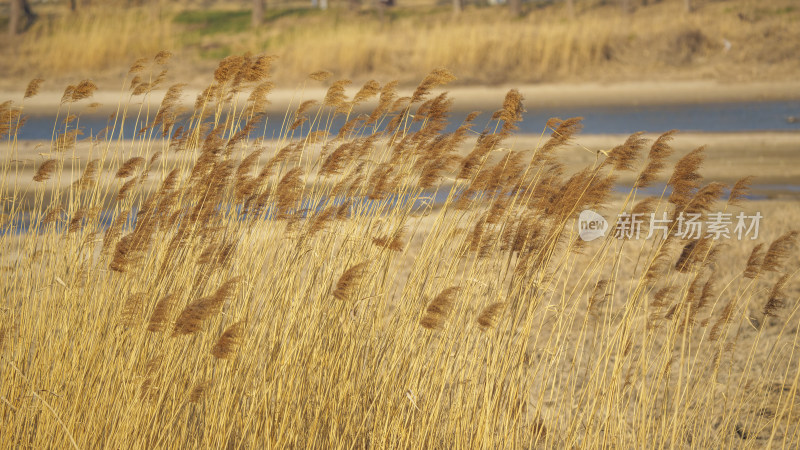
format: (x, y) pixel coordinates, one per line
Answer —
(735, 40)
(205, 285)
(101, 38)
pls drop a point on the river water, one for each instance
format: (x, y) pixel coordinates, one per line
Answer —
(710, 117)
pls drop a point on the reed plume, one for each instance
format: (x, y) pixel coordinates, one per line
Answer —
(130, 167)
(563, 132)
(83, 90)
(191, 319)
(705, 198)
(660, 151)
(622, 157)
(244, 185)
(439, 308)
(370, 89)
(289, 190)
(33, 87)
(138, 66)
(322, 220)
(707, 294)
(512, 110)
(685, 179)
(473, 161)
(46, 170)
(722, 321)
(489, 316)
(258, 97)
(350, 281)
(778, 251)
(661, 262)
(125, 254)
(53, 215)
(393, 242)
(159, 319)
(664, 296)
(381, 181)
(754, 262)
(437, 77)
(693, 253)
(199, 391)
(11, 119)
(228, 68)
(387, 96)
(320, 75)
(167, 113)
(142, 87)
(598, 297)
(66, 141)
(162, 57)
(777, 296)
(739, 191)
(335, 97)
(337, 160)
(229, 342)
(89, 177)
(77, 220)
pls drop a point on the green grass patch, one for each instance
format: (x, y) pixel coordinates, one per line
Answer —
(209, 22)
(214, 22)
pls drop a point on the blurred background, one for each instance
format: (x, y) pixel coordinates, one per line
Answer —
(484, 42)
(723, 72)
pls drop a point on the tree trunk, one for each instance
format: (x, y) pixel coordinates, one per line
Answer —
(458, 5)
(515, 6)
(13, 18)
(571, 8)
(258, 13)
(687, 5)
(17, 9)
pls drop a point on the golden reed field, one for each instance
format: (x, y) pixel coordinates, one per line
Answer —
(190, 281)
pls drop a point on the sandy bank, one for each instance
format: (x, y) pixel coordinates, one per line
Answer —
(485, 98)
(772, 158)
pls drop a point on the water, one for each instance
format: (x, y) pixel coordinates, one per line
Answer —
(711, 117)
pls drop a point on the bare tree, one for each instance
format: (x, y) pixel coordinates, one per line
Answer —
(258, 13)
(74, 5)
(458, 5)
(19, 7)
(13, 18)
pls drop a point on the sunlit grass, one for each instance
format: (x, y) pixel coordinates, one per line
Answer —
(201, 286)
